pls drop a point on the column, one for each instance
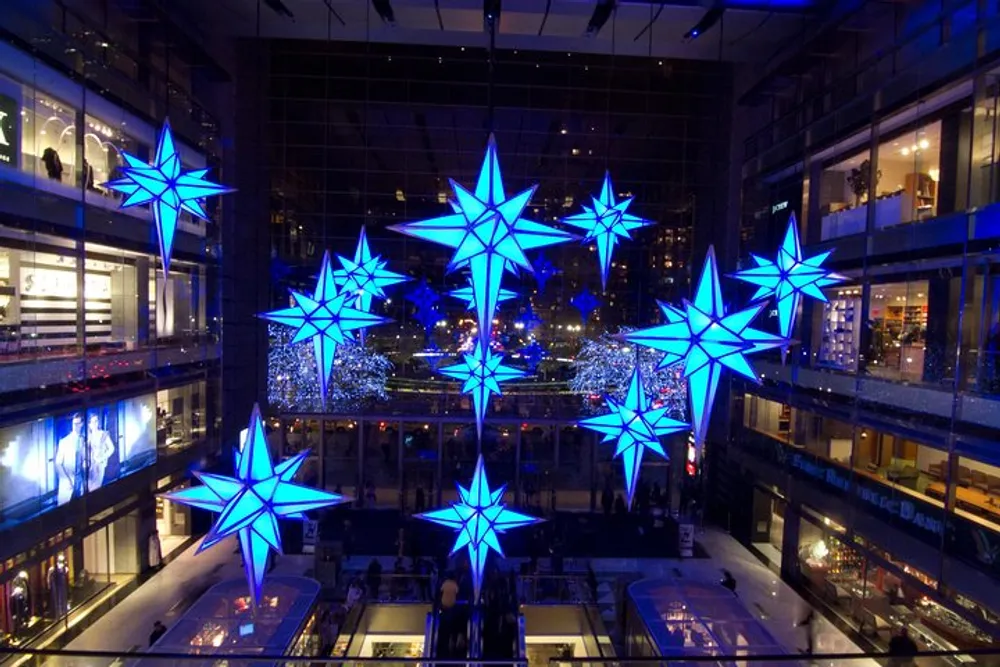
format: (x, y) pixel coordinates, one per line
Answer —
(401, 484)
(940, 329)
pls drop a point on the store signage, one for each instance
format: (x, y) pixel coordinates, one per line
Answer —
(310, 531)
(780, 206)
(9, 117)
(907, 510)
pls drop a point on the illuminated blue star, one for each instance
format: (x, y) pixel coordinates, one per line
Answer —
(365, 275)
(168, 189)
(479, 517)
(543, 270)
(488, 234)
(790, 277)
(425, 299)
(481, 372)
(250, 504)
(586, 303)
(707, 340)
(325, 317)
(533, 353)
(468, 295)
(605, 223)
(636, 426)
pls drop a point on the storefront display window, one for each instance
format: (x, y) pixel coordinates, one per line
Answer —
(48, 144)
(977, 492)
(768, 417)
(845, 186)
(908, 176)
(837, 329)
(103, 144)
(897, 323)
(180, 416)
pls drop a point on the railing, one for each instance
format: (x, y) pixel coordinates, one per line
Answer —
(693, 655)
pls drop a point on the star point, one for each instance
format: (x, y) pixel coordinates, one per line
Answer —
(606, 223)
(479, 517)
(250, 504)
(635, 426)
(326, 317)
(707, 340)
(166, 188)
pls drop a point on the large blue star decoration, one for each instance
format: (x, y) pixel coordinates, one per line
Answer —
(481, 373)
(479, 517)
(365, 275)
(468, 295)
(636, 426)
(707, 339)
(425, 299)
(605, 223)
(167, 188)
(488, 234)
(586, 303)
(790, 277)
(327, 317)
(250, 503)
(543, 271)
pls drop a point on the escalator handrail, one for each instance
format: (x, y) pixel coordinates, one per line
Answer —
(475, 628)
(585, 608)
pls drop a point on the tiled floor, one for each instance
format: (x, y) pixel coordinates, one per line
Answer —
(167, 594)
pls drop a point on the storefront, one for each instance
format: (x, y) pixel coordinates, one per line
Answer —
(57, 584)
(173, 520)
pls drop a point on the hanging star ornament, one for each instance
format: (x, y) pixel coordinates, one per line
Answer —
(790, 277)
(586, 303)
(479, 516)
(250, 503)
(365, 275)
(533, 354)
(481, 373)
(605, 223)
(707, 340)
(425, 299)
(543, 271)
(636, 426)
(327, 317)
(488, 234)
(167, 188)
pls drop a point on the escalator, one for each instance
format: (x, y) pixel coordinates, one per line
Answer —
(452, 634)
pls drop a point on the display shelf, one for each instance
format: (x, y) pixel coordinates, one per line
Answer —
(841, 330)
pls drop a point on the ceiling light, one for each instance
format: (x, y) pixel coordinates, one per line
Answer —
(904, 150)
(924, 144)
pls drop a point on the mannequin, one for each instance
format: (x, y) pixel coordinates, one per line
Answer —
(53, 165)
(20, 602)
(58, 582)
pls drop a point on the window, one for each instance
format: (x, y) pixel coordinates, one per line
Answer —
(48, 145)
(837, 326)
(908, 176)
(977, 491)
(180, 416)
(844, 189)
(897, 323)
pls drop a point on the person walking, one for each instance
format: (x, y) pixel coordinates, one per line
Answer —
(902, 648)
(729, 582)
(809, 623)
(158, 631)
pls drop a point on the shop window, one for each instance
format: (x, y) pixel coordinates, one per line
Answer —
(977, 492)
(48, 144)
(768, 417)
(180, 417)
(827, 438)
(27, 478)
(897, 322)
(838, 324)
(907, 466)
(103, 144)
(844, 189)
(908, 177)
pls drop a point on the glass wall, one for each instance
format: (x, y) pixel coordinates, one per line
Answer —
(180, 417)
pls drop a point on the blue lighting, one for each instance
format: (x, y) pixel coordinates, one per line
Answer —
(488, 234)
(325, 317)
(250, 504)
(481, 372)
(479, 517)
(468, 295)
(707, 339)
(636, 426)
(586, 303)
(425, 299)
(533, 354)
(605, 223)
(543, 270)
(790, 277)
(365, 275)
(166, 188)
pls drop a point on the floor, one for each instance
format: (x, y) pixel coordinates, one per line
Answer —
(168, 593)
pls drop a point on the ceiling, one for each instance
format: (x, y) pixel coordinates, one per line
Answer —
(749, 31)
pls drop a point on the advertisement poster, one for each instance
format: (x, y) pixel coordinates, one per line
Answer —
(138, 446)
(27, 478)
(103, 434)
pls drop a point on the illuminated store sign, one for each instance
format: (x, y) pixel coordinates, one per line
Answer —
(8, 130)
(907, 510)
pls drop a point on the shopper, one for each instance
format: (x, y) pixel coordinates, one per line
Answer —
(374, 579)
(902, 648)
(729, 582)
(809, 623)
(158, 631)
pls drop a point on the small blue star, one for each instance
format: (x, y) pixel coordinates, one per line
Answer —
(479, 516)
(707, 340)
(365, 275)
(543, 270)
(250, 504)
(637, 426)
(790, 277)
(167, 188)
(586, 303)
(326, 318)
(533, 353)
(488, 234)
(605, 223)
(481, 372)
(425, 299)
